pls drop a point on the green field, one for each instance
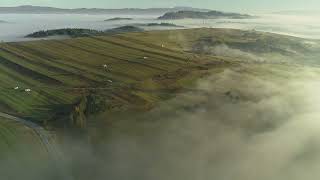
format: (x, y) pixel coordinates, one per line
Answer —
(123, 78)
(68, 80)
(61, 73)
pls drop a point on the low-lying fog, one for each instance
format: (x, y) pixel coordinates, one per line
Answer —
(245, 123)
(14, 26)
(250, 122)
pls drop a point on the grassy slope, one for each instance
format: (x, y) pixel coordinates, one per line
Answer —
(265, 45)
(60, 72)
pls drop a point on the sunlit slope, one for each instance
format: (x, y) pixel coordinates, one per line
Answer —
(110, 73)
(59, 73)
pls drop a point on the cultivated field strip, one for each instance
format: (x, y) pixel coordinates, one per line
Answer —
(59, 72)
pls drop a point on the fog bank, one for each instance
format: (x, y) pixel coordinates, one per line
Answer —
(16, 26)
(245, 123)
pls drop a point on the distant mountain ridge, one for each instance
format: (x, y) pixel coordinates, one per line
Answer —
(28, 9)
(119, 19)
(203, 15)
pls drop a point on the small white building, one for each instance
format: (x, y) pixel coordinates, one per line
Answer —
(145, 57)
(16, 88)
(27, 90)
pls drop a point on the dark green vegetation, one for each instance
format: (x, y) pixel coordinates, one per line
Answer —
(123, 29)
(162, 24)
(203, 15)
(74, 32)
(118, 19)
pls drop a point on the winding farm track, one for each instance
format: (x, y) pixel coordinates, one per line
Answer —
(44, 136)
(42, 133)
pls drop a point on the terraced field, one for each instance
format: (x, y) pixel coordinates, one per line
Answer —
(60, 73)
(63, 81)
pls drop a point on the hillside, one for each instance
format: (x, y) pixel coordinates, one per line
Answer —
(90, 74)
(239, 44)
(202, 15)
(69, 80)
(120, 95)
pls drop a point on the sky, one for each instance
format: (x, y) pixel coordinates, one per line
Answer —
(229, 5)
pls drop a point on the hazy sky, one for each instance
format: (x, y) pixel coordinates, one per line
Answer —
(234, 5)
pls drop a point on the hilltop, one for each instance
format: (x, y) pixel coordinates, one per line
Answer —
(75, 32)
(203, 15)
(118, 19)
(71, 32)
(162, 24)
(123, 29)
